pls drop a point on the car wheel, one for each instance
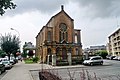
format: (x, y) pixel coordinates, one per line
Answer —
(0, 72)
(91, 64)
(4, 70)
(101, 63)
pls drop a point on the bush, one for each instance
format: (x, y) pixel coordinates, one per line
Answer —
(3, 55)
(28, 61)
(102, 53)
(35, 59)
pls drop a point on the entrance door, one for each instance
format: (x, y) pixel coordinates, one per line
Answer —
(49, 53)
(64, 53)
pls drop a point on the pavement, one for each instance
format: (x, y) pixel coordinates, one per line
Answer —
(18, 72)
(21, 71)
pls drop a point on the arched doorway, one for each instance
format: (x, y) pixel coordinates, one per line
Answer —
(64, 53)
(49, 53)
(57, 51)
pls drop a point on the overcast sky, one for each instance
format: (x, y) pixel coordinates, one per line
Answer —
(97, 19)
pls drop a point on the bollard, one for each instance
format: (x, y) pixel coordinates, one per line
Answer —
(54, 60)
(69, 58)
(48, 59)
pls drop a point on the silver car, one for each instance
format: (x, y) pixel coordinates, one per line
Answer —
(93, 60)
(7, 64)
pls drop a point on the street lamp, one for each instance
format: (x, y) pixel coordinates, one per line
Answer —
(16, 31)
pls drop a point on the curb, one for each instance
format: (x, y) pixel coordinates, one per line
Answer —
(31, 77)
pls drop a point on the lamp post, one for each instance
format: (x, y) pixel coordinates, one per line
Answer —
(16, 31)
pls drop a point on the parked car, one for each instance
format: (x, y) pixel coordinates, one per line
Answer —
(7, 64)
(93, 60)
(115, 58)
(2, 68)
(110, 57)
(3, 59)
(118, 58)
(12, 60)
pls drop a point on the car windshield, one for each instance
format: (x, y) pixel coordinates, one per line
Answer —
(87, 59)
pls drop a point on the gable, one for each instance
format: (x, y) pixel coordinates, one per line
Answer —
(62, 12)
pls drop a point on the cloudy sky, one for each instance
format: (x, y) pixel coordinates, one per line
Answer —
(97, 19)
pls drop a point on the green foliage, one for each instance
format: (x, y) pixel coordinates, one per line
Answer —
(1, 51)
(24, 55)
(9, 43)
(28, 61)
(31, 60)
(102, 53)
(35, 59)
(62, 63)
(6, 4)
(2, 54)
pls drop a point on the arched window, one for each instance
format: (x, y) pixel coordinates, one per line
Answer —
(63, 32)
(49, 51)
(77, 52)
(57, 51)
(76, 38)
(49, 35)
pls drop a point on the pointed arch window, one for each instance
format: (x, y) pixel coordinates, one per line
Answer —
(49, 35)
(76, 38)
(77, 51)
(63, 32)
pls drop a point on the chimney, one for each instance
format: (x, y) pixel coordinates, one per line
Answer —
(62, 7)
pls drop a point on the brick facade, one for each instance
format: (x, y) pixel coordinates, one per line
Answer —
(58, 37)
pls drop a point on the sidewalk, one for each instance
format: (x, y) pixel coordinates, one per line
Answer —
(18, 72)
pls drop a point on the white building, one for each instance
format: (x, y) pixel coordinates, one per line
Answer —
(114, 43)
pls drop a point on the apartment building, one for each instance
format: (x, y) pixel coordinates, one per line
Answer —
(93, 49)
(114, 43)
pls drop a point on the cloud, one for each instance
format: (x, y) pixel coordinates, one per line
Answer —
(100, 8)
(44, 6)
(93, 8)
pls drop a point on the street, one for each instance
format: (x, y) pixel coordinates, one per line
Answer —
(108, 71)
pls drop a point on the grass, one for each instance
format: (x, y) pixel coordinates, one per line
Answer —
(28, 61)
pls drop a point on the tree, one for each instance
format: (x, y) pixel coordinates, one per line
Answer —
(24, 51)
(102, 53)
(6, 4)
(10, 44)
(2, 54)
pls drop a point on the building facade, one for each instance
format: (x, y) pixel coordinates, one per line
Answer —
(93, 49)
(27, 47)
(58, 37)
(114, 43)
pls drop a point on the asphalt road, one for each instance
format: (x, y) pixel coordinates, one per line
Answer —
(110, 70)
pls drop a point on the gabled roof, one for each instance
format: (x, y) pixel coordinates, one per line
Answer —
(62, 10)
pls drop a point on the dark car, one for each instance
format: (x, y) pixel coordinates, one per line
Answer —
(2, 68)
